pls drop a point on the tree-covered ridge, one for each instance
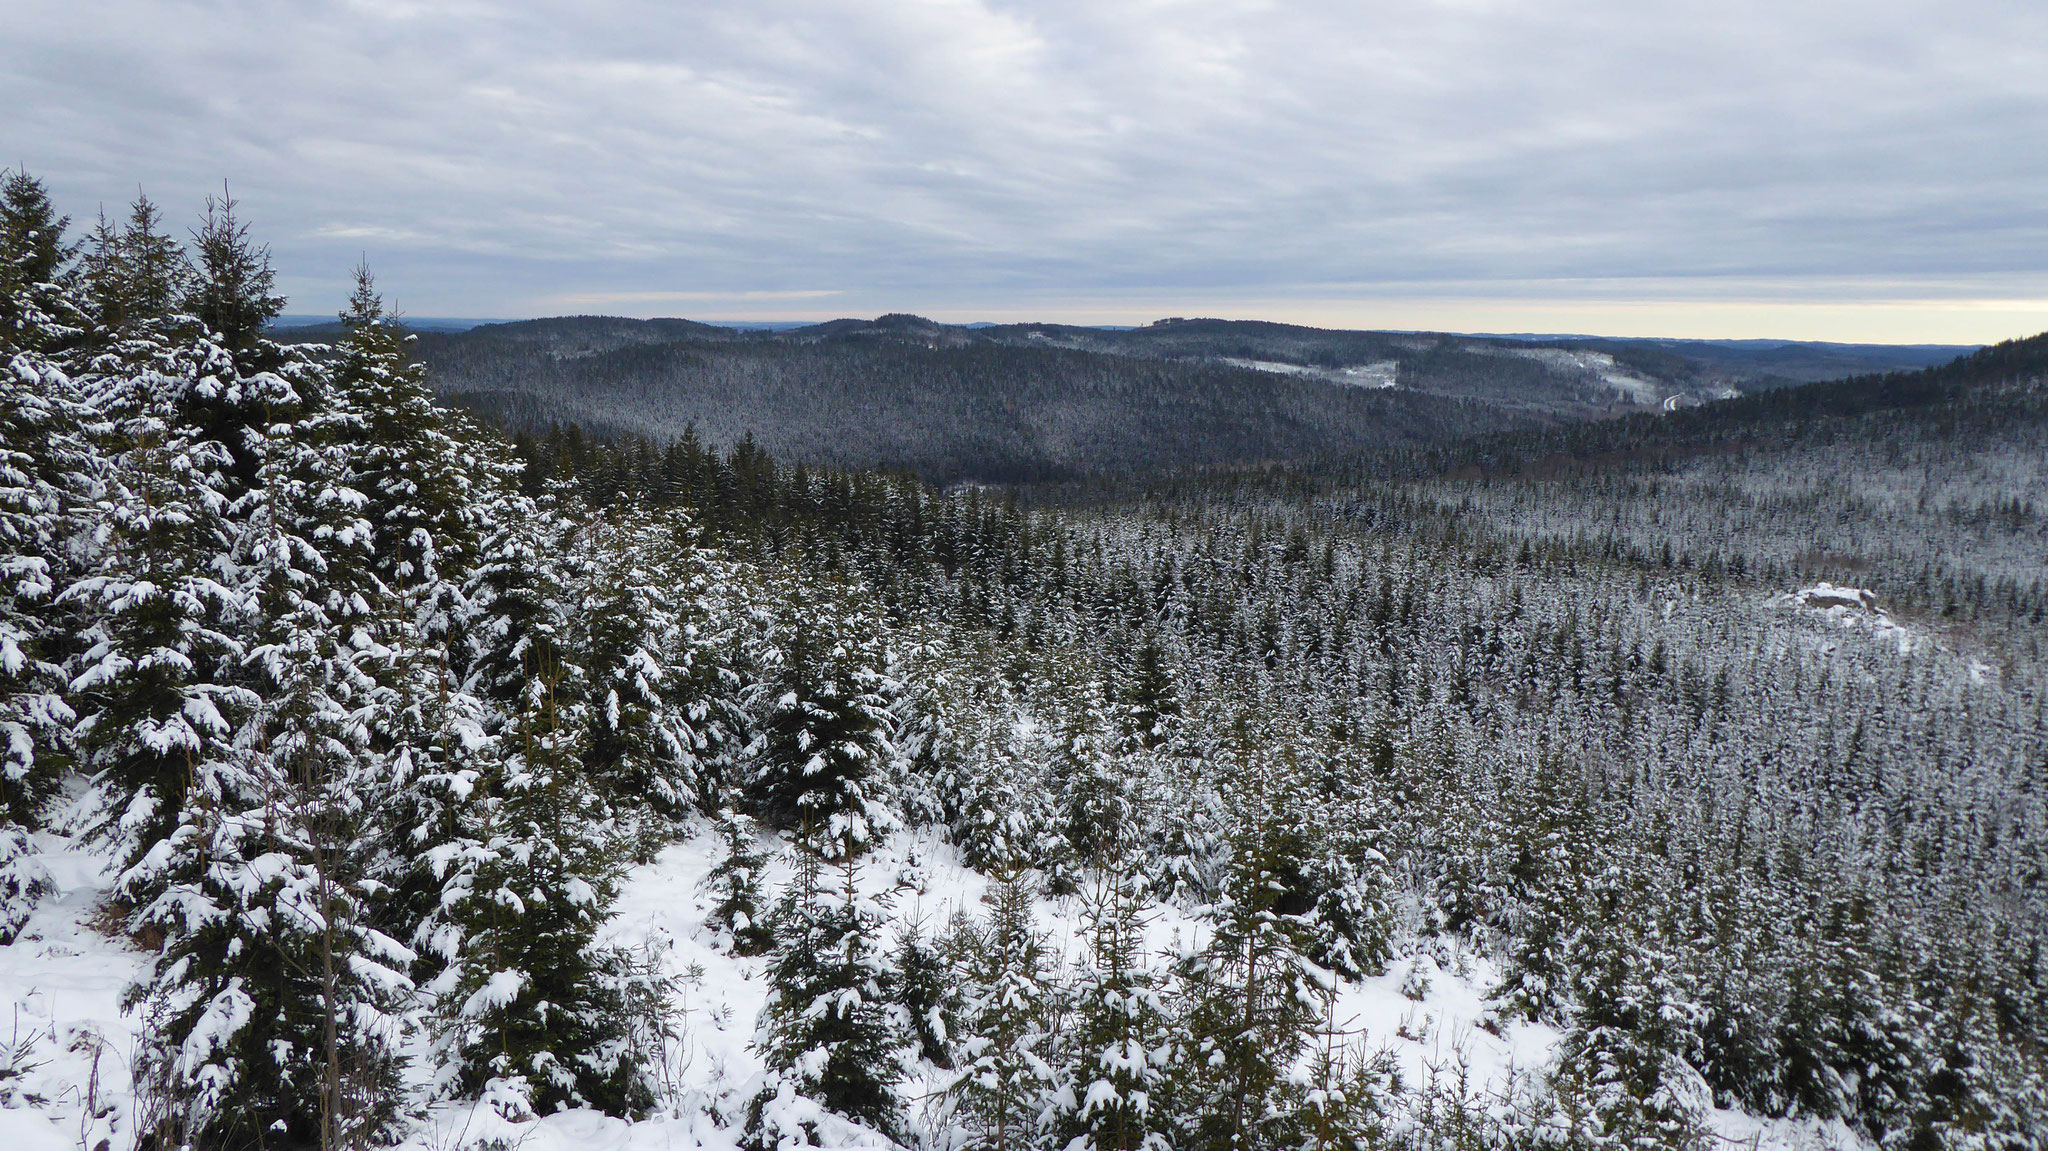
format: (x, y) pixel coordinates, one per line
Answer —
(1038, 402)
(375, 709)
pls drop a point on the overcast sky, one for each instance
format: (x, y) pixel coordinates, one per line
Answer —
(1860, 170)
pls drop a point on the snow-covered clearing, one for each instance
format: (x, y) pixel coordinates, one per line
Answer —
(1599, 365)
(66, 1088)
(1380, 374)
(1857, 610)
(1383, 374)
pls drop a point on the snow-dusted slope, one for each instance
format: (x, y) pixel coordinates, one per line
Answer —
(66, 1085)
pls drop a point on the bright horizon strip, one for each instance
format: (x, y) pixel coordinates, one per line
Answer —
(1942, 321)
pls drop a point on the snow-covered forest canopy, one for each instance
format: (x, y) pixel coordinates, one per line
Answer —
(373, 776)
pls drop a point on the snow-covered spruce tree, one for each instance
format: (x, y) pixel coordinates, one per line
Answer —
(1845, 1047)
(936, 716)
(1545, 832)
(1353, 914)
(33, 714)
(1152, 707)
(530, 1007)
(1006, 1088)
(828, 1034)
(1350, 878)
(1121, 1045)
(1975, 1091)
(641, 604)
(1624, 1074)
(511, 597)
(225, 304)
(820, 707)
(1193, 832)
(996, 798)
(425, 483)
(161, 682)
(739, 912)
(173, 595)
(422, 482)
(1089, 787)
(276, 1000)
(231, 290)
(922, 989)
(38, 312)
(46, 472)
(321, 646)
(1250, 998)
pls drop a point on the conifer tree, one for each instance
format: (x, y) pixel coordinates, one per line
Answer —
(1352, 918)
(163, 680)
(230, 296)
(47, 472)
(132, 276)
(37, 312)
(1349, 1096)
(1006, 1087)
(425, 487)
(530, 1006)
(646, 658)
(921, 984)
(1122, 1045)
(1087, 778)
(1251, 997)
(824, 723)
(232, 290)
(1544, 880)
(937, 717)
(736, 885)
(273, 995)
(1154, 701)
(997, 806)
(159, 687)
(827, 1034)
(1625, 1065)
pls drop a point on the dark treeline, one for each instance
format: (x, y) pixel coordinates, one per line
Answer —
(981, 411)
(1042, 402)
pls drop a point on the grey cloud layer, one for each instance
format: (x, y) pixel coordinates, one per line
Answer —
(495, 158)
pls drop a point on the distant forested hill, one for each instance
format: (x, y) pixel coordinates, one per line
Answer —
(965, 411)
(1988, 393)
(1038, 402)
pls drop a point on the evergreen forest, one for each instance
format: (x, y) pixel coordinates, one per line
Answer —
(1706, 747)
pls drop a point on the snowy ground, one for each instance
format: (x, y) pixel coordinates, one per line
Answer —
(65, 1079)
(64, 1084)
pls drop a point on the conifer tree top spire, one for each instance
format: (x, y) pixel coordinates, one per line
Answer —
(234, 291)
(30, 229)
(33, 259)
(136, 273)
(365, 305)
